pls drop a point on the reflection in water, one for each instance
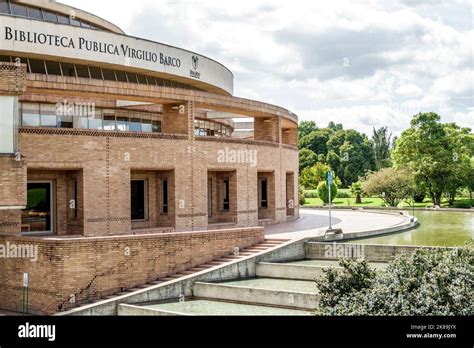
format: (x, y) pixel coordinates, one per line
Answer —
(436, 229)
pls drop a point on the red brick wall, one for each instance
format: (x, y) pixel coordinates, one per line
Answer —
(90, 268)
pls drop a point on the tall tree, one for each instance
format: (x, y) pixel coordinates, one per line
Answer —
(307, 159)
(438, 154)
(306, 127)
(381, 139)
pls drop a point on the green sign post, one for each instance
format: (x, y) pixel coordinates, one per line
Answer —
(329, 179)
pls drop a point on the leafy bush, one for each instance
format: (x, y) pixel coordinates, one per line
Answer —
(429, 282)
(323, 193)
(311, 194)
(463, 205)
(301, 198)
(419, 197)
(343, 194)
(390, 184)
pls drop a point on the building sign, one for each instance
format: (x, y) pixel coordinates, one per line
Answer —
(48, 40)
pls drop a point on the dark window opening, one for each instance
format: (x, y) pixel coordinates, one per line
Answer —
(137, 199)
(225, 191)
(164, 195)
(264, 193)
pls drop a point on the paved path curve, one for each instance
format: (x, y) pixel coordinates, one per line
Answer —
(314, 222)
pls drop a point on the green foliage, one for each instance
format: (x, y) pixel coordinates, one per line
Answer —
(306, 127)
(463, 205)
(307, 159)
(382, 142)
(312, 176)
(311, 194)
(301, 198)
(429, 282)
(316, 141)
(323, 192)
(390, 184)
(350, 155)
(343, 194)
(438, 154)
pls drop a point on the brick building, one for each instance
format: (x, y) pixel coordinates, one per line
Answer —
(103, 134)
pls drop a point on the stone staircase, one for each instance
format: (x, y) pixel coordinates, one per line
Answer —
(255, 249)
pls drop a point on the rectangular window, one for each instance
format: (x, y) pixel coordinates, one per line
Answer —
(18, 10)
(53, 68)
(138, 199)
(63, 19)
(73, 200)
(164, 196)
(263, 193)
(151, 80)
(30, 115)
(146, 126)
(225, 195)
(109, 75)
(122, 124)
(65, 121)
(34, 12)
(4, 7)
(5, 58)
(38, 215)
(50, 16)
(95, 120)
(142, 79)
(96, 73)
(37, 66)
(48, 115)
(75, 22)
(68, 69)
(109, 122)
(156, 126)
(132, 77)
(121, 76)
(85, 25)
(82, 71)
(135, 125)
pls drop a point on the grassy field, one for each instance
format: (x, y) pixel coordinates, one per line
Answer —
(371, 201)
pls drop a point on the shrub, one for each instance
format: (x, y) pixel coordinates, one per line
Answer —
(429, 282)
(390, 184)
(463, 205)
(343, 194)
(419, 197)
(323, 193)
(301, 198)
(311, 194)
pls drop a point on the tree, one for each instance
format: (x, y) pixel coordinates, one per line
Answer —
(335, 127)
(306, 127)
(323, 191)
(437, 154)
(316, 141)
(429, 282)
(307, 159)
(356, 190)
(312, 176)
(390, 184)
(350, 155)
(382, 144)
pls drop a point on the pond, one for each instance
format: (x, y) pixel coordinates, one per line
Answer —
(436, 228)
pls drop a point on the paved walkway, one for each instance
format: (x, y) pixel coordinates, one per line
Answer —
(314, 222)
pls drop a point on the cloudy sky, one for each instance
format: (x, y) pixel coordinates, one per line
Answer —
(360, 63)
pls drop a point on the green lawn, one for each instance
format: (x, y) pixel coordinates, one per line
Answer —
(371, 201)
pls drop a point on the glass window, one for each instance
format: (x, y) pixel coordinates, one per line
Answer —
(5, 59)
(37, 66)
(65, 121)
(79, 121)
(164, 196)
(82, 71)
(34, 12)
(95, 120)
(138, 199)
(63, 19)
(53, 68)
(68, 69)
(109, 75)
(156, 126)
(85, 25)
(132, 77)
(4, 7)
(48, 115)
(146, 126)
(18, 10)
(122, 124)
(135, 125)
(109, 122)
(151, 80)
(142, 79)
(75, 22)
(96, 73)
(121, 76)
(50, 16)
(263, 193)
(225, 195)
(30, 115)
(160, 82)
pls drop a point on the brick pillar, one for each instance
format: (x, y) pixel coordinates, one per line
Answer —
(290, 136)
(267, 129)
(176, 118)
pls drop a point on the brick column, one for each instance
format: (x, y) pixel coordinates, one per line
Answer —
(176, 119)
(267, 129)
